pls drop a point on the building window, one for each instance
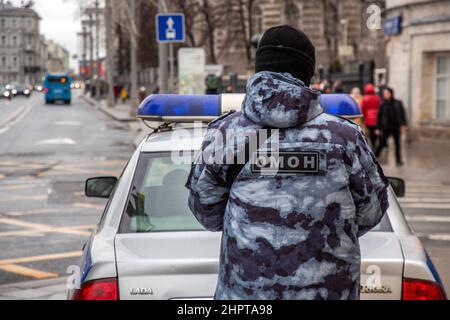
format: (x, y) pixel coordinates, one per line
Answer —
(14, 40)
(3, 61)
(2, 23)
(15, 62)
(443, 87)
(292, 14)
(3, 40)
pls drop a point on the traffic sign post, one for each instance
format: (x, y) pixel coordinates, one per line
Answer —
(170, 28)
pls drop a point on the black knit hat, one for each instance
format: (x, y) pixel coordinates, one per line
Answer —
(286, 49)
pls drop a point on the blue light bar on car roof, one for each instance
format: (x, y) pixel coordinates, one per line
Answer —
(180, 107)
(340, 105)
(188, 108)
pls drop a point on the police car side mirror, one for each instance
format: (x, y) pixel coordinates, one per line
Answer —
(399, 186)
(100, 187)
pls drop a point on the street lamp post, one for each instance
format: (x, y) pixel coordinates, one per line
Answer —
(109, 52)
(133, 59)
(97, 49)
(91, 47)
(84, 36)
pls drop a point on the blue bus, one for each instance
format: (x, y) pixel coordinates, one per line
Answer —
(57, 88)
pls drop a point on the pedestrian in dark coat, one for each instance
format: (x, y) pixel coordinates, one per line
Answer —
(291, 231)
(391, 122)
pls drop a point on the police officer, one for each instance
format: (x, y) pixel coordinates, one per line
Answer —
(291, 232)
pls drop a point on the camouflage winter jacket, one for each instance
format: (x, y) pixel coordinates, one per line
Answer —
(291, 233)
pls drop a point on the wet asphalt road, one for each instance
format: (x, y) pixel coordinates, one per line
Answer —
(46, 153)
(427, 201)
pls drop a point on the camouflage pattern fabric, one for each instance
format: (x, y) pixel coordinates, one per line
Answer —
(290, 236)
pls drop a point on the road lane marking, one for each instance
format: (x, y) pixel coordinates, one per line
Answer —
(89, 206)
(426, 183)
(24, 234)
(18, 187)
(46, 257)
(436, 206)
(428, 218)
(41, 211)
(42, 233)
(16, 120)
(416, 192)
(25, 198)
(33, 233)
(439, 237)
(68, 123)
(43, 228)
(58, 141)
(424, 200)
(28, 272)
(12, 117)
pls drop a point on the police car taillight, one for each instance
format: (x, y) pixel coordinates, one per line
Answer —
(103, 290)
(422, 290)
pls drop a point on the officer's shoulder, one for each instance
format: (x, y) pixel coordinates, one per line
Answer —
(347, 127)
(342, 120)
(217, 122)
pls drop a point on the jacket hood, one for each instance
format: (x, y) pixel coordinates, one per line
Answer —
(279, 100)
(369, 89)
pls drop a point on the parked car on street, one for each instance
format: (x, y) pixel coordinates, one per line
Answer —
(21, 90)
(4, 92)
(148, 245)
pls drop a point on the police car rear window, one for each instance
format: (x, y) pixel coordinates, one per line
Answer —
(158, 199)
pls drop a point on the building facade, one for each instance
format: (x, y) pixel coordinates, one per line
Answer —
(338, 29)
(418, 51)
(58, 58)
(21, 45)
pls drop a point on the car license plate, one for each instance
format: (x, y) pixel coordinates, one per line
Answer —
(58, 91)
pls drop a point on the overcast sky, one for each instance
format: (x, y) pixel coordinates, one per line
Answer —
(59, 22)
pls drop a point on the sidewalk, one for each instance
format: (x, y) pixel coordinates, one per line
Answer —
(121, 113)
(425, 160)
(53, 289)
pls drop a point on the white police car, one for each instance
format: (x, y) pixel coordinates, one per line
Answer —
(149, 246)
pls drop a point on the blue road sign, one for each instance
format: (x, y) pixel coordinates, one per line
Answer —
(170, 27)
(393, 26)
